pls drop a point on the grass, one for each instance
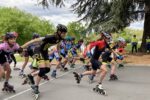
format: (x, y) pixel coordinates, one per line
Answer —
(21, 59)
(129, 47)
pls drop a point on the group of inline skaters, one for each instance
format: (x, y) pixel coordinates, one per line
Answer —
(96, 56)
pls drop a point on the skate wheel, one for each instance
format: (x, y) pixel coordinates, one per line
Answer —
(14, 91)
(94, 89)
(2, 89)
(36, 96)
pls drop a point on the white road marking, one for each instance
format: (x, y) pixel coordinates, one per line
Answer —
(20, 93)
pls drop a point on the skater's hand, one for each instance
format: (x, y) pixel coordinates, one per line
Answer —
(20, 50)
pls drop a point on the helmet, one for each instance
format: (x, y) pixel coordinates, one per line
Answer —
(121, 39)
(61, 28)
(15, 34)
(9, 35)
(81, 40)
(35, 35)
(107, 35)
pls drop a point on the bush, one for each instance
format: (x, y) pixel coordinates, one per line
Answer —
(23, 23)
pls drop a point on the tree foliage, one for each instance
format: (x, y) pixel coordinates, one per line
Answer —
(76, 29)
(25, 24)
(114, 15)
(109, 15)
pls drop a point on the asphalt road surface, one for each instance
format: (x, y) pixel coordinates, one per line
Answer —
(133, 84)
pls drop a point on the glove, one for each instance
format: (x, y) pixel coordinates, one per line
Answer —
(120, 57)
(20, 50)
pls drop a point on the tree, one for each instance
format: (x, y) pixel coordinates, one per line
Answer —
(25, 24)
(112, 15)
(76, 29)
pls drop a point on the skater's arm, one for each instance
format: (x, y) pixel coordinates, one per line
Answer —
(58, 47)
(32, 41)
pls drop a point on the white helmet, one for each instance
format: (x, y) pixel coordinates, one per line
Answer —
(121, 39)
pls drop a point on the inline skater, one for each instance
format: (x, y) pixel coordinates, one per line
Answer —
(8, 47)
(43, 62)
(100, 46)
(28, 53)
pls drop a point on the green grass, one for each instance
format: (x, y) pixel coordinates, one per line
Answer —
(20, 59)
(129, 47)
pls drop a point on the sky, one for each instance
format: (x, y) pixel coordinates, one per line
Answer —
(55, 14)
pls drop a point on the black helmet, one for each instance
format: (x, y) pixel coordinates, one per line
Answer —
(81, 40)
(61, 28)
(9, 35)
(35, 35)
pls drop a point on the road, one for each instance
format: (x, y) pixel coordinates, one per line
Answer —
(133, 84)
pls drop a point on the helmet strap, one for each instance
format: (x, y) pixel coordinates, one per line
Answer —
(58, 35)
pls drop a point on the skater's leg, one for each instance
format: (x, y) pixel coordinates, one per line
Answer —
(113, 67)
(26, 59)
(42, 71)
(7, 70)
(112, 74)
(74, 60)
(103, 72)
(1, 71)
(92, 72)
(38, 79)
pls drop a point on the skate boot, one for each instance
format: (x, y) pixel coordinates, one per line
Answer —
(113, 77)
(65, 69)
(120, 66)
(8, 88)
(26, 81)
(86, 67)
(36, 92)
(70, 61)
(54, 74)
(91, 78)
(99, 89)
(72, 65)
(77, 77)
(21, 74)
(31, 79)
(45, 77)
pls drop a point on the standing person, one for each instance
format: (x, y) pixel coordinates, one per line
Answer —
(7, 48)
(43, 62)
(134, 43)
(148, 44)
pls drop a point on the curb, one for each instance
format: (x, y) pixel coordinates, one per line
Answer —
(137, 65)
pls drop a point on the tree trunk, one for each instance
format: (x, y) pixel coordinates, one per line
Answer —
(146, 31)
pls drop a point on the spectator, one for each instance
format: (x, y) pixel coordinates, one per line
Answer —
(134, 43)
(148, 44)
